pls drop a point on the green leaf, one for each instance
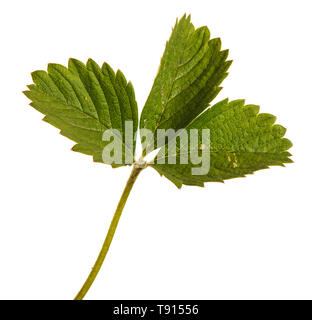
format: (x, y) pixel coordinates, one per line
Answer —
(189, 76)
(241, 141)
(83, 101)
(232, 139)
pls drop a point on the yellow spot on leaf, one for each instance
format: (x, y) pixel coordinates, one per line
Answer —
(235, 161)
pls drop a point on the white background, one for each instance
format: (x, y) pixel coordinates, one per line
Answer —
(249, 238)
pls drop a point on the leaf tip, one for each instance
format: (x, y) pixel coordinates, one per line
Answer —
(26, 93)
(51, 67)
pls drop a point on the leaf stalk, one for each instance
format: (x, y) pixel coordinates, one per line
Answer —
(137, 168)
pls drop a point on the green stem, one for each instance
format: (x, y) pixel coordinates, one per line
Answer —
(111, 231)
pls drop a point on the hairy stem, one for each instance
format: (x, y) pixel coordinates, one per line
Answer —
(111, 231)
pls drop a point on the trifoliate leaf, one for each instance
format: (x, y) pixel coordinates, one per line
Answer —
(83, 101)
(190, 72)
(198, 145)
(241, 141)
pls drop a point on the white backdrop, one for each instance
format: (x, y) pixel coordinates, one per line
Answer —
(249, 238)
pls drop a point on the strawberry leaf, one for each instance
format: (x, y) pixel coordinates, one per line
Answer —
(190, 72)
(241, 141)
(231, 139)
(83, 101)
